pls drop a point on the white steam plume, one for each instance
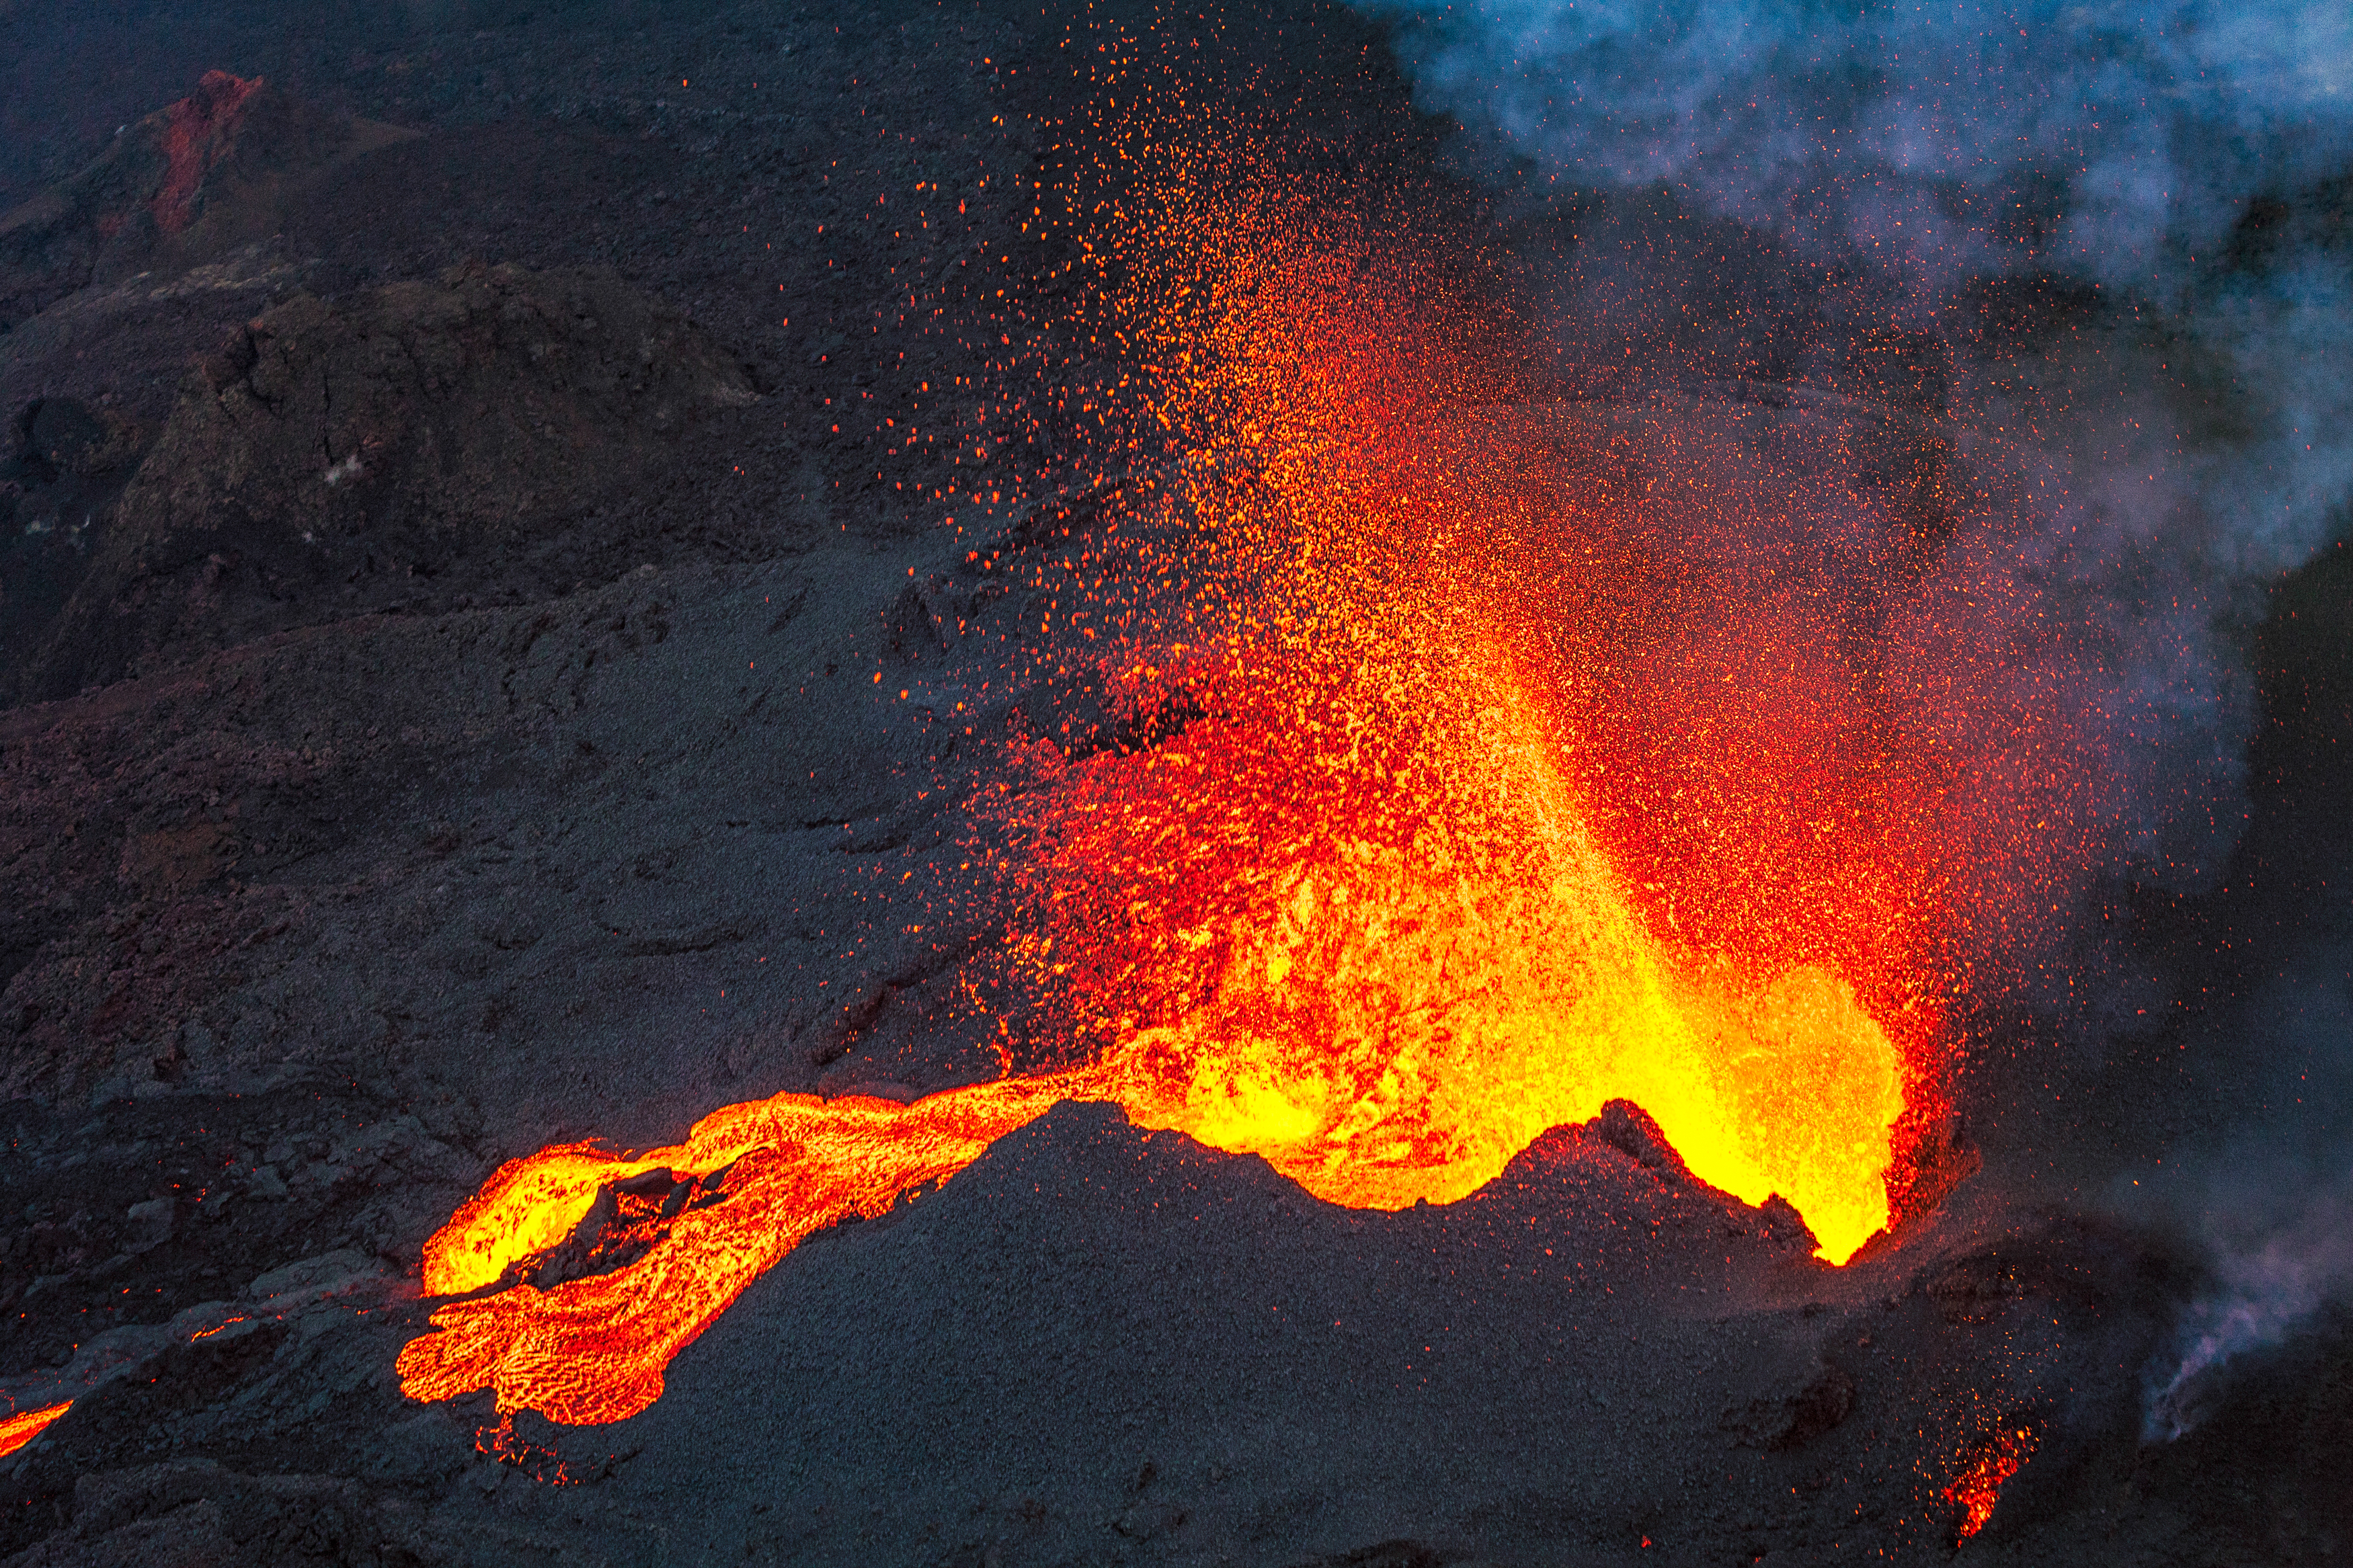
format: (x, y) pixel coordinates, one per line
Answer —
(2271, 1200)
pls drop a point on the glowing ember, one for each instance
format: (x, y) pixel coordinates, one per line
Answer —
(21, 1428)
(1978, 1488)
(504, 1444)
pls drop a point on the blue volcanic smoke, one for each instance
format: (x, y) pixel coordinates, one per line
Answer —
(2117, 151)
(2110, 141)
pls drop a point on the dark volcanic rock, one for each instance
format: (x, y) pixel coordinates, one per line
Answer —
(341, 457)
(65, 465)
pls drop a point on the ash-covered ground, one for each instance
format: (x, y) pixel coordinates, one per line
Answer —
(486, 651)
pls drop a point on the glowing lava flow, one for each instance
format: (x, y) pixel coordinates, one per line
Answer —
(21, 1428)
(593, 1350)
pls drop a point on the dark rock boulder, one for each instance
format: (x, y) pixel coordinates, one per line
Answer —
(388, 451)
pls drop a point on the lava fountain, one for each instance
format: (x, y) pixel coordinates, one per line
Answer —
(1357, 899)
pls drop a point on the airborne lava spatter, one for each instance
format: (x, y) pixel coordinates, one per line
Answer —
(1344, 905)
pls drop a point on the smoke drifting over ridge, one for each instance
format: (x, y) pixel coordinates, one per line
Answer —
(1934, 150)
(2180, 177)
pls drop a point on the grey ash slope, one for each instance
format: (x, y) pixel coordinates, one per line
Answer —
(1097, 1345)
(712, 210)
(292, 926)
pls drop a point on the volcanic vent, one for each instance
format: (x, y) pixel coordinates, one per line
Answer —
(1358, 879)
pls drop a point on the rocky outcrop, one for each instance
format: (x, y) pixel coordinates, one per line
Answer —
(336, 458)
(210, 171)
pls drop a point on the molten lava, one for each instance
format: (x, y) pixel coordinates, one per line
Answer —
(1357, 899)
(21, 1428)
(1723, 1070)
(198, 132)
(1992, 1465)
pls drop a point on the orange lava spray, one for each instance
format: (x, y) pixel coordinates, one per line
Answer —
(1357, 901)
